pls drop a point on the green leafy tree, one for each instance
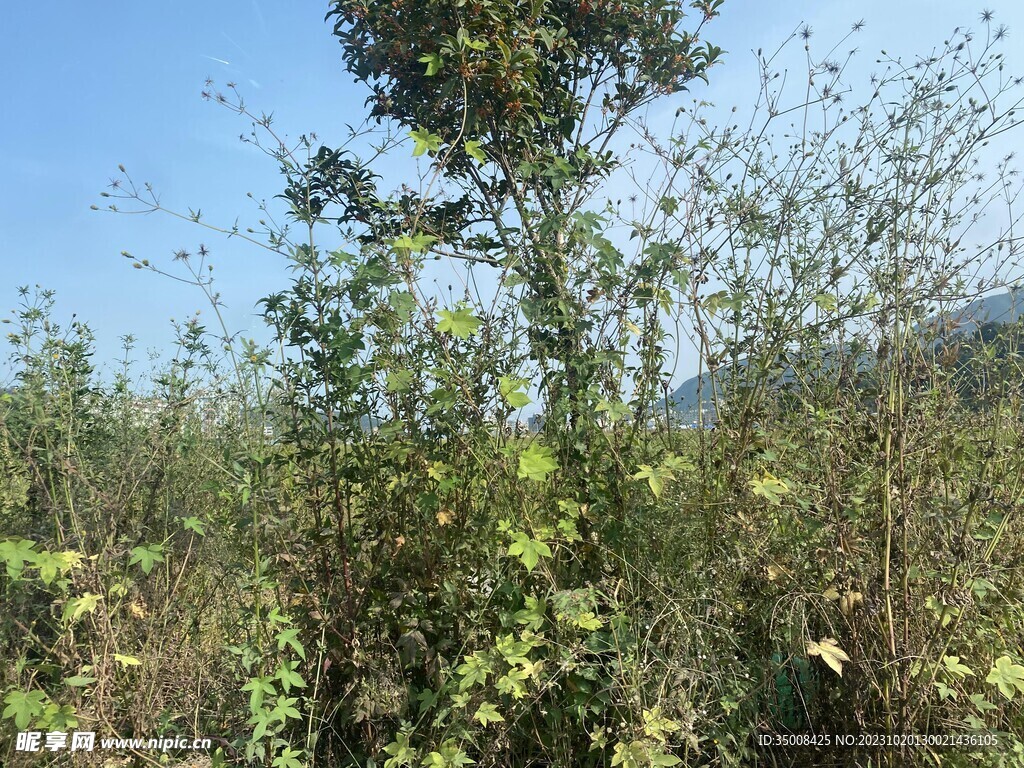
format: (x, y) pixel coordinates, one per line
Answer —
(516, 104)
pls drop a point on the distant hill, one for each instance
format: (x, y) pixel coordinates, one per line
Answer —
(1002, 308)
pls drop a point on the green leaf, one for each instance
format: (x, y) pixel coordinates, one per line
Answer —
(945, 692)
(462, 322)
(289, 677)
(474, 151)
(473, 671)
(262, 719)
(289, 758)
(285, 710)
(425, 141)
(195, 525)
(23, 707)
(401, 753)
(536, 462)
(398, 381)
(418, 243)
(433, 61)
(655, 478)
(449, 756)
(945, 613)
(616, 410)
(769, 487)
(632, 755)
(533, 614)
(981, 703)
(509, 389)
(511, 683)
(826, 302)
(14, 553)
(290, 637)
(147, 556)
(49, 565)
(76, 607)
(662, 758)
(59, 717)
(955, 668)
(78, 681)
(258, 687)
(528, 550)
(658, 726)
(276, 617)
(1007, 676)
(403, 302)
(488, 713)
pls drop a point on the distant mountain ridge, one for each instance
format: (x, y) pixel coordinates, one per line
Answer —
(1001, 308)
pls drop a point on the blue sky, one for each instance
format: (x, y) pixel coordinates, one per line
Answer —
(92, 85)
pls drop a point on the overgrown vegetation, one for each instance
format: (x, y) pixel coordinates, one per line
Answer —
(337, 552)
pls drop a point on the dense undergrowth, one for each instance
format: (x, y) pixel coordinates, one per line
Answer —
(340, 555)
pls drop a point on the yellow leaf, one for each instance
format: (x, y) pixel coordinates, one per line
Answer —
(533, 668)
(850, 601)
(775, 572)
(127, 661)
(830, 652)
(444, 517)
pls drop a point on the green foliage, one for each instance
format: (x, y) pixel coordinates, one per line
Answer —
(147, 556)
(530, 551)
(22, 707)
(515, 72)
(459, 323)
(1007, 676)
(536, 462)
(363, 564)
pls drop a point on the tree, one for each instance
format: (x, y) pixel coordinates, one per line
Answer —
(517, 104)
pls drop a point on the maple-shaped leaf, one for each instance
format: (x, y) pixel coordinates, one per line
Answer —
(434, 63)
(1007, 676)
(616, 409)
(76, 607)
(474, 151)
(488, 713)
(509, 388)
(425, 141)
(830, 652)
(405, 245)
(22, 707)
(290, 637)
(474, 671)
(462, 322)
(146, 556)
(536, 462)
(14, 553)
(770, 487)
(954, 667)
(528, 550)
(588, 621)
(654, 476)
